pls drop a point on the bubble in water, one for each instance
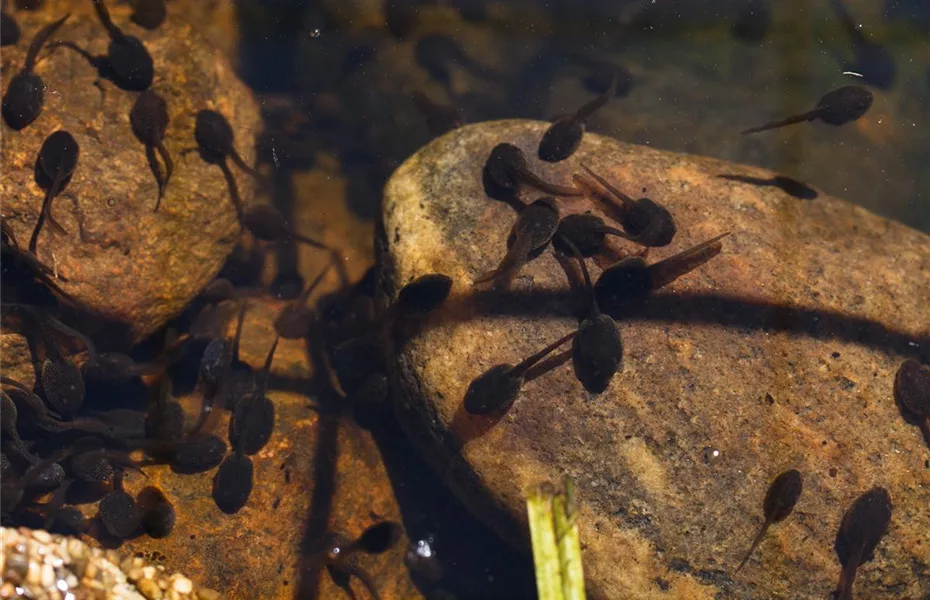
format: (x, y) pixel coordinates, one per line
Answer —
(315, 32)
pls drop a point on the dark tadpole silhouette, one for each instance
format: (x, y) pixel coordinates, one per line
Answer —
(563, 137)
(584, 232)
(149, 14)
(439, 118)
(862, 528)
(295, 319)
(597, 352)
(507, 170)
(149, 120)
(215, 143)
(753, 20)
(127, 62)
(25, 94)
(632, 277)
(252, 421)
(63, 386)
(836, 107)
(250, 428)
(912, 393)
(435, 53)
(873, 61)
(340, 554)
(158, 514)
(533, 230)
(645, 222)
(118, 511)
(9, 29)
(782, 495)
(56, 162)
(790, 186)
(497, 388)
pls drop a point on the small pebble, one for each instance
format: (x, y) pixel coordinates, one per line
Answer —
(41, 536)
(183, 585)
(148, 572)
(134, 574)
(48, 576)
(34, 574)
(149, 589)
(208, 594)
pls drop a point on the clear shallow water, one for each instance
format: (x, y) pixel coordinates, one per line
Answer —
(334, 83)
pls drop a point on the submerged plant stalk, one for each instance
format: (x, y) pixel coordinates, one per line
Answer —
(556, 544)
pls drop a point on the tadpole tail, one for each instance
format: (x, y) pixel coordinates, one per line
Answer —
(57, 501)
(752, 547)
(241, 164)
(367, 581)
(104, 15)
(233, 189)
(848, 576)
(607, 186)
(549, 188)
(75, 48)
(527, 363)
(666, 271)
(594, 105)
(808, 116)
(35, 46)
(156, 171)
(262, 383)
(169, 164)
(43, 214)
(507, 270)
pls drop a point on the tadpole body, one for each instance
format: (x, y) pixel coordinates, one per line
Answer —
(149, 120)
(25, 93)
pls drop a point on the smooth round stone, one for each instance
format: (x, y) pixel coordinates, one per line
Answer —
(779, 353)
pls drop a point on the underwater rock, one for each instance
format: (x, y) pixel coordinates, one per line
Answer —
(779, 353)
(257, 552)
(119, 257)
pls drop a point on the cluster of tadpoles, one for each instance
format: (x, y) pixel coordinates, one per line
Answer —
(129, 66)
(597, 350)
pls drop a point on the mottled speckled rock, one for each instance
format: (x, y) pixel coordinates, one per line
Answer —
(130, 263)
(778, 354)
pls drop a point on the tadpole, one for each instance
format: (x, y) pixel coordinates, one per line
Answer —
(9, 29)
(644, 221)
(862, 528)
(563, 137)
(25, 94)
(631, 277)
(782, 495)
(127, 62)
(295, 319)
(56, 162)
(836, 107)
(149, 120)
(215, 143)
(148, 14)
(497, 388)
(597, 352)
(507, 169)
(535, 226)
(252, 421)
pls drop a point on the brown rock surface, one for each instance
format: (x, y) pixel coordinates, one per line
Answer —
(778, 354)
(256, 553)
(119, 256)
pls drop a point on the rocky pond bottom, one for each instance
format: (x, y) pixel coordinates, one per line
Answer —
(778, 354)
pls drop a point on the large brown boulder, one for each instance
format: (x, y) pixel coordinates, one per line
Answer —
(780, 353)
